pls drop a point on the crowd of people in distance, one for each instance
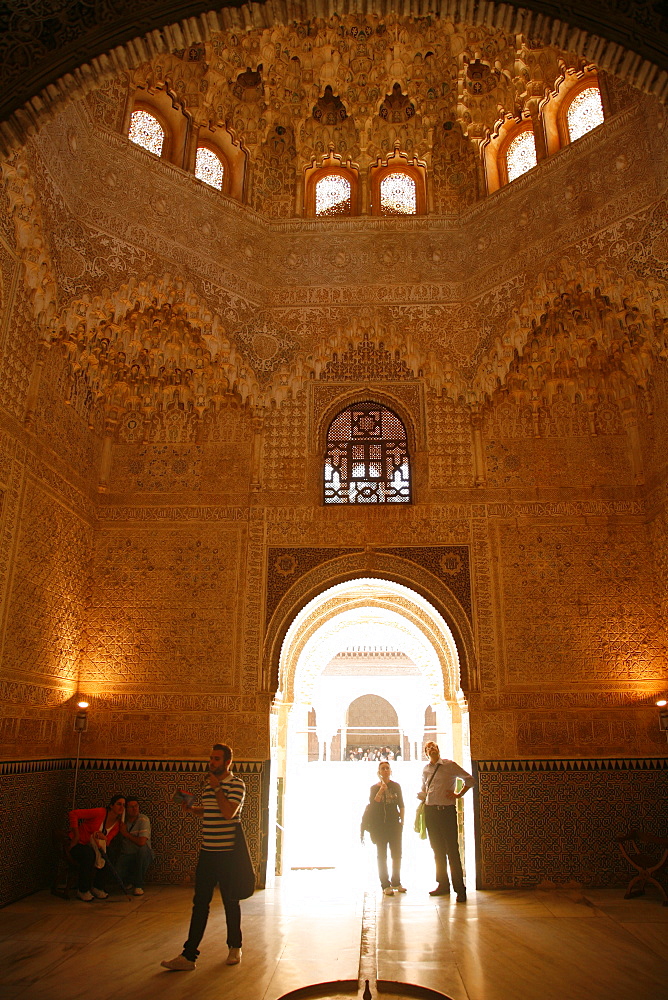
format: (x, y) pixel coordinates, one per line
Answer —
(373, 753)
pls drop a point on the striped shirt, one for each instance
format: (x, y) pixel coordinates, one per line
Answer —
(218, 832)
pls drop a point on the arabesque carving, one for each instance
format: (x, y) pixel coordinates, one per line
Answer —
(170, 361)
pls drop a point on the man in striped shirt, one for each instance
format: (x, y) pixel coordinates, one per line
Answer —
(222, 800)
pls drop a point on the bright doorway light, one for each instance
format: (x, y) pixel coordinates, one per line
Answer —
(317, 803)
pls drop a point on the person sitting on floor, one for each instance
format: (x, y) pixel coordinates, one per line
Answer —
(136, 853)
(91, 832)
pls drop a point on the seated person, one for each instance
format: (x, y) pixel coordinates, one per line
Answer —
(91, 832)
(136, 853)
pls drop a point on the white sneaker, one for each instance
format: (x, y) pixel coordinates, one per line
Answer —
(179, 964)
(233, 956)
(86, 896)
(398, 888)
(99, 893)
(389, 891)
(138, 892)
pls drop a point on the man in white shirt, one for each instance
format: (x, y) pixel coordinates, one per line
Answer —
(136, 852)
(438, 792)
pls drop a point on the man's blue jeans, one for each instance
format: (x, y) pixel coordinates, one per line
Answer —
(132, 867)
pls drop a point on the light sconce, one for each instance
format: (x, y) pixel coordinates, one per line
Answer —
(80, 726)
(662, 705)
(81, 718)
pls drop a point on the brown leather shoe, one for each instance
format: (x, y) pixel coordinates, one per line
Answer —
(440, 890)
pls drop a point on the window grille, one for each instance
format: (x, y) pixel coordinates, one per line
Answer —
(367, 457)
(398, 195)
(208, 168)
(584, 113)
(521, 155)
(332, 195)
(146, 131)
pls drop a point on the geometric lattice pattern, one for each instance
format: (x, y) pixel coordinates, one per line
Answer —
(367, 457)
(556, 820)
(208, 168)
(332, 195)
(27, 858)
(146, 131)
(397, 195)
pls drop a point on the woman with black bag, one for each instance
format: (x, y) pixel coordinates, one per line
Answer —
(386, 804)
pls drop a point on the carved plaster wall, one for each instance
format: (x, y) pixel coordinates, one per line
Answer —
(171, 359)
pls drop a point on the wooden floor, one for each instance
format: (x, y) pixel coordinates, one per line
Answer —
(513, 945)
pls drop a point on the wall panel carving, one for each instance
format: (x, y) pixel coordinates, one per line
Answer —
(19, 354)
(50, 587)
(579, 605)
(285, 444)
(450, 444)
(162, 606)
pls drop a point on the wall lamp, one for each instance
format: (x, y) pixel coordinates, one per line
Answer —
(80, 726)
(662, 705)
(81, 718)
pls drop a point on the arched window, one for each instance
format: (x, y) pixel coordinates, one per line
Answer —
(147, 132)
(333, 195)
(367, 457)
(331, 188)
(398, 186)
(585, 112)
(398, 194)
(520, 154)
(209, 167)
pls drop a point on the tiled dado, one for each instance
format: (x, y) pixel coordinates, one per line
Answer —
(42, 790)
(33, 805)
(541, 821)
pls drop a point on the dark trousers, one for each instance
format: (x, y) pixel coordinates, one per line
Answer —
(214, 868)
(88, 875)
(132, 867)
(390, 837)
(442, 830)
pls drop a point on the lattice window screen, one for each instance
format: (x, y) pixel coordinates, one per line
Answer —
(146, 131)
(367, 457)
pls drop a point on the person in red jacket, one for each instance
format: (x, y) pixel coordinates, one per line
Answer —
(91, 832)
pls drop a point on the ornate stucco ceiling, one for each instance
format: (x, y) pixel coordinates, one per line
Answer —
(410, 73)
(54, 50)
(172, 300)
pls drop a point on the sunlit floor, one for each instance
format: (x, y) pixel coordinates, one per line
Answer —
(513, 945)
